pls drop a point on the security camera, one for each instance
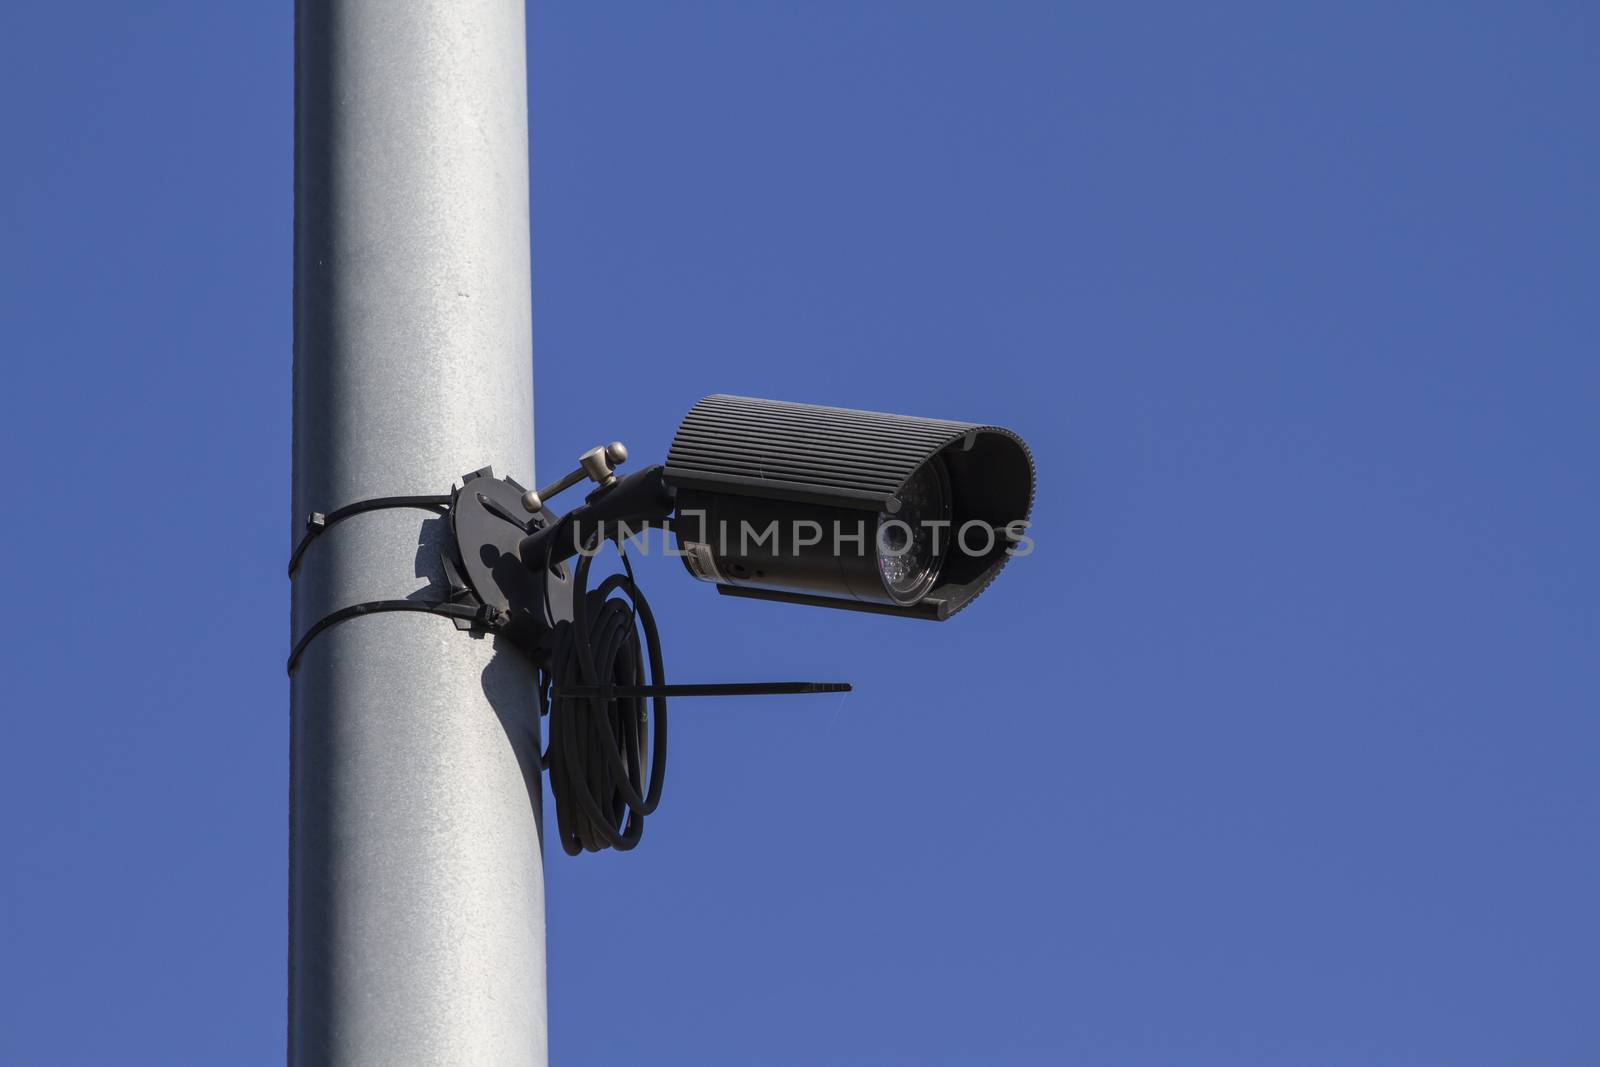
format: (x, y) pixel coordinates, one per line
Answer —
(847, 509)
(815, 505)
(789, 502)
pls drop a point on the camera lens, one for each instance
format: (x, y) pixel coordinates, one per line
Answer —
(912, 541)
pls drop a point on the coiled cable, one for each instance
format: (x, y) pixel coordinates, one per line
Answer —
(599, 747)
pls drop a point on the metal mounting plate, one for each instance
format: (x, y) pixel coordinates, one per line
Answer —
(489, 523)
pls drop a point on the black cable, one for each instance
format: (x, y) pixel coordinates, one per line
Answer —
(599, 746)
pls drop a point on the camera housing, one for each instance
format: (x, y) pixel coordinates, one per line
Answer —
(840, 508)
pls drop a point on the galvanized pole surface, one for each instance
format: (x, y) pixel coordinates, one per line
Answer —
(416, 885)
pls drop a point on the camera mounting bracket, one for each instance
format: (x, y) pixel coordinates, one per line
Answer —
(489, 591)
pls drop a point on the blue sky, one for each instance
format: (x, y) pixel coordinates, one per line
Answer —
(1280, 748)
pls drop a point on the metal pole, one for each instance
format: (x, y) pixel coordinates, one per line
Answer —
(416, 885)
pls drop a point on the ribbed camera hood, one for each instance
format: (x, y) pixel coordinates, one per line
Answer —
(823, 455)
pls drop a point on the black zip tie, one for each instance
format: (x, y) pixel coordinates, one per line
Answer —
(489, 618)
(317, 521)
(709, 689)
